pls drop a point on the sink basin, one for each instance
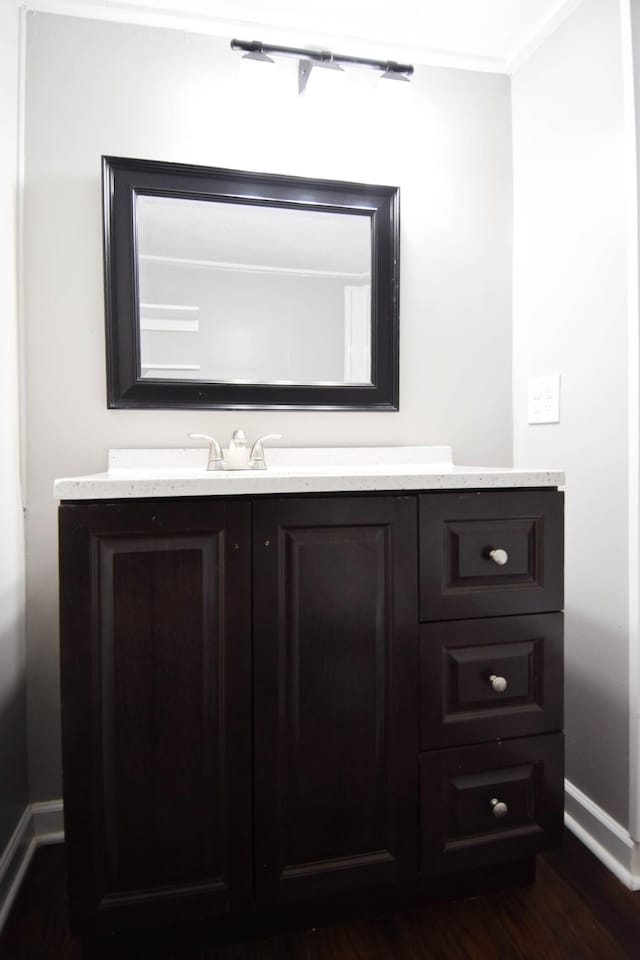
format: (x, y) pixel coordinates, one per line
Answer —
(289, 461)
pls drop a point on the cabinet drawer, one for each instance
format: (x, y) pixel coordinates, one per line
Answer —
(490, 553)
(490, 678)
(490, 802)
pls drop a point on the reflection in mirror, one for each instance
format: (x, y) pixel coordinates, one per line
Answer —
(253, 293)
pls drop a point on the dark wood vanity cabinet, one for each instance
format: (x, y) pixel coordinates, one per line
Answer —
(267, 704)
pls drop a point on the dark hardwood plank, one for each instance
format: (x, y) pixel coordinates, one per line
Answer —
(37, 927)
(616, 906)
(549, 920)
(576, 910)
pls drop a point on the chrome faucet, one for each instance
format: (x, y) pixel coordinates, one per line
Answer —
(256, 457)
(215, 453)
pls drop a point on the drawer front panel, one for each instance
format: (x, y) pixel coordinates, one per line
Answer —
(490, 678)
(490, 554)
(490, 802)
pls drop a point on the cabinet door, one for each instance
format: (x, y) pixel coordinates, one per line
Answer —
(155, 647)
(335, 695)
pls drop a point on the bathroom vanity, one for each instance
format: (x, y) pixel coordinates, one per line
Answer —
(306, 692)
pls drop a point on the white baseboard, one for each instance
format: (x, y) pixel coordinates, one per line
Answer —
(41, 823)
(48, 822)
(605, 837)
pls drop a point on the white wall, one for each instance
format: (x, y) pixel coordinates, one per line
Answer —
(95, 88)
(13, 759)
(630, 14)
(570, 317)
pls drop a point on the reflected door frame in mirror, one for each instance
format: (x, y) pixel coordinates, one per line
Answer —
(124, 180)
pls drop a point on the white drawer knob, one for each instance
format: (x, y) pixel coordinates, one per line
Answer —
(499, 556)
(499, 684)
(500, 809)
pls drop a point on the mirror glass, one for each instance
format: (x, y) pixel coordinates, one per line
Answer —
(253, 293)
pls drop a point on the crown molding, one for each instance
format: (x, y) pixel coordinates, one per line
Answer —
(539, 34)
(174, 19)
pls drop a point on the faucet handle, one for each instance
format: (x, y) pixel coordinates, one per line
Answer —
(215, 453)
(256, 457)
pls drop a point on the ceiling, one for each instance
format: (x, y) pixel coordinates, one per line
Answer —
(492, 35)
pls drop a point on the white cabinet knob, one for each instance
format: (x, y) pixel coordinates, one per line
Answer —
(499, 684)
(500, 809)
(499, 556)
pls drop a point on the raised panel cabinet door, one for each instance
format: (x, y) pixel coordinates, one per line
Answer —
(156, 705)
(335, 696)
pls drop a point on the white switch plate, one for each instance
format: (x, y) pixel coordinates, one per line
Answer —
(544, 399)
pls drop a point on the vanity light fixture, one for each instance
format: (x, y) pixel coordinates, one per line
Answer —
(309, 58)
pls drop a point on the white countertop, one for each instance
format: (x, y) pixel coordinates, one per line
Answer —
(183, 473)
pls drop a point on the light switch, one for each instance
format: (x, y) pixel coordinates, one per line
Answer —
(544, 399)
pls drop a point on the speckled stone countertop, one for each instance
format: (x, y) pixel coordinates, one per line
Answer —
(183, 473)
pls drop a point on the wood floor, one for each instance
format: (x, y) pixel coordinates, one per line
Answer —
(576, 910)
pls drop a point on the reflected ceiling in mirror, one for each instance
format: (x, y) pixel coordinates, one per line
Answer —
(241, 290)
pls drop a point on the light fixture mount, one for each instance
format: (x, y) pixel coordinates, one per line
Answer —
(309, 58)
(325, 62)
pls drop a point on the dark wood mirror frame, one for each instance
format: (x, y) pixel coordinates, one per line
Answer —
(123, 179)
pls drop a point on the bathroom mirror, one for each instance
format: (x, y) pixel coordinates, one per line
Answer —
(240, 290)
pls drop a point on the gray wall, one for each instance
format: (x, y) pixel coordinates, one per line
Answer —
(13, 746)
(570, 317)
(97, 88)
